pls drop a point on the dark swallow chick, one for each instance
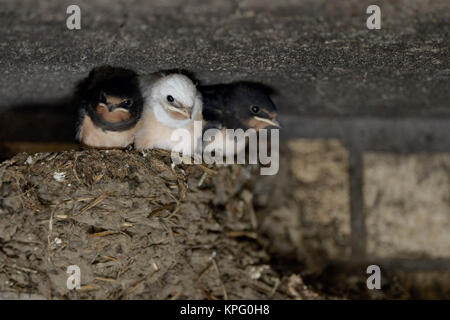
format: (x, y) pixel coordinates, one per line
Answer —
(240, 105)
(109, 103)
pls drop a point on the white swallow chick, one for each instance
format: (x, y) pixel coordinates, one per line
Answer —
(171, 102)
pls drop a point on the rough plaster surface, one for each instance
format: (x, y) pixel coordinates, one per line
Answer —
(407, 205)
(318, 55)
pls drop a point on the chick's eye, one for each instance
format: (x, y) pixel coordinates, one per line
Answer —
(102, 97)
(255, 109)
(127, 103)
(170, 98)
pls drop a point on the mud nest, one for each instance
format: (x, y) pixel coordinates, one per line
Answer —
(136, 226)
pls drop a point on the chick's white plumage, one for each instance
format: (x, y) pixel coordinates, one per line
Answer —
(171, 102)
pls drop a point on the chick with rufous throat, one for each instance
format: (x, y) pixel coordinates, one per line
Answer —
(171, 102)
(110, 104)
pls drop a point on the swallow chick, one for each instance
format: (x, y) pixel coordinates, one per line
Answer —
(171, 102)
(110, 104)
(239, 105)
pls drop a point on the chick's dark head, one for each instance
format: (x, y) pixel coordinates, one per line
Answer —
(113, 98)
(252, 106)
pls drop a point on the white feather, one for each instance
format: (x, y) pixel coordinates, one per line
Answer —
(182, 89)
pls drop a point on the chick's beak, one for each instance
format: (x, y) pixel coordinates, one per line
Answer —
(273, 122)
(107, 107)
(102, 105)
(112, 107)
(181, 109)
(115, 107)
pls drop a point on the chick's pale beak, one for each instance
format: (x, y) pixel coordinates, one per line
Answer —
(115, 108)
(107, 107)
(112, 107)
(272, 122)
(181, 110)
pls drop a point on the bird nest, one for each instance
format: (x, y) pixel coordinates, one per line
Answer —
(136, 226)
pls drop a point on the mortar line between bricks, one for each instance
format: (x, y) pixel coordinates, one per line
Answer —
(357, 222)
(362, 135)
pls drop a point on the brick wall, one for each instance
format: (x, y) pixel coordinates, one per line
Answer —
(365, 191)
